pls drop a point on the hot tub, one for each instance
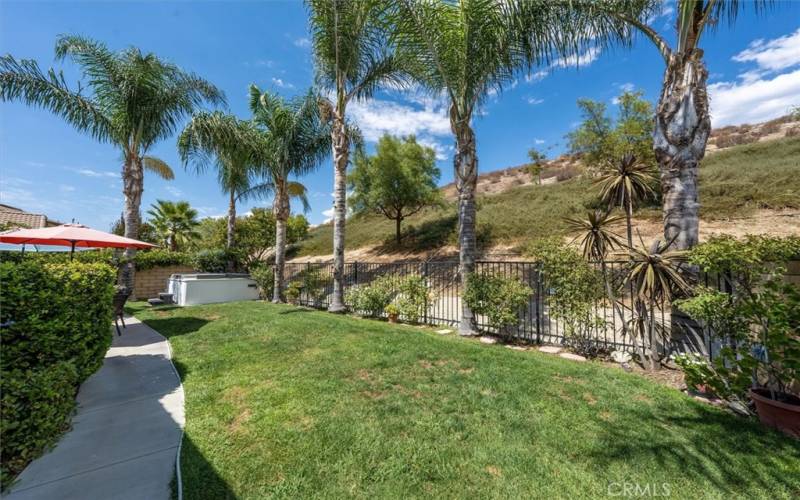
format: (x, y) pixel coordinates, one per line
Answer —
(209, 288)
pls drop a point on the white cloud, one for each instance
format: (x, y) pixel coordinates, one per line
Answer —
(761, 93)
(280, 83)
(95, 173)
(533, 101)
(585, 58)
(539, 141)
(442, 151)
(627, 87)
(376, 117)
(773, 55)
(302, 42)
(754, 101)
(260, 63)
(173, 191)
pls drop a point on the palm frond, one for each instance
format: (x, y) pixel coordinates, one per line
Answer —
(596, 237)
(158, 167)
(299, 192)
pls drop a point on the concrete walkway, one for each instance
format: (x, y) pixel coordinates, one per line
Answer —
(125, 435)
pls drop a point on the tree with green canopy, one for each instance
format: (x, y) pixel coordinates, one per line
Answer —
(229, 145)
(352, 59)
(468, 50)
(599, 139)
(175, 223)
(296, 139)
(397, 182)
(135, 100)
(536, 166)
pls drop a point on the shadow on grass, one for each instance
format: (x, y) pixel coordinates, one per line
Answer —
(178, 325)
(296, 310)
(200, 478)
(714, 453)
(433, 234)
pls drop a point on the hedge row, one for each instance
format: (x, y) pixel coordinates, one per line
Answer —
(56, 330)
(143, 260)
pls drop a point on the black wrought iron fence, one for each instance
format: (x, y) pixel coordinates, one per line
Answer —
(611, 327)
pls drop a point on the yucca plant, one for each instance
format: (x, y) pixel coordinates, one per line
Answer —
(135, 100)
(625, 183)
(656, 276)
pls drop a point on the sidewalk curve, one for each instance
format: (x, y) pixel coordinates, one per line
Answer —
(126, 433)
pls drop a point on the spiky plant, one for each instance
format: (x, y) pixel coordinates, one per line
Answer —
(625, 183)
(230, 146)
(469, 50)
(656, 276)
(353, 59)
(296, 140)
(134, 101)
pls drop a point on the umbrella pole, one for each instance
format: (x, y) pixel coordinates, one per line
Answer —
(23, 249)
(72, 252)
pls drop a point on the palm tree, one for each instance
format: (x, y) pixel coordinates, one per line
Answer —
(625, 183)
(136, 100)
(683, 123)
(175, 222)
(469, 50)
(233, 147)
(296, 140)
(352, 61)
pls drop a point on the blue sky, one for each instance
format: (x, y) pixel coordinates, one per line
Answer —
(47, 167)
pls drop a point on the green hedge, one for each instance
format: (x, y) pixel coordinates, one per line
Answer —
(143, 259)
(61, 330)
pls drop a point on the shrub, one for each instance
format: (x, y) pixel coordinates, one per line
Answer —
(575, 287)
(498, 298)
(414, 297)
(371, 299)
(314, 284)
(211, 260)
(264, 277)
(58, 318)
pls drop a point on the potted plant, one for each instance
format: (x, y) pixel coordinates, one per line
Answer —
(757, 324)
(392, 312)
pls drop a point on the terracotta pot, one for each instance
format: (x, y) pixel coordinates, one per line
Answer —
(393, 318)
(784, 416)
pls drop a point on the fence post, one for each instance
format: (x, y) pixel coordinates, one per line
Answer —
(538, 301)
(355, 272)
(425, 277)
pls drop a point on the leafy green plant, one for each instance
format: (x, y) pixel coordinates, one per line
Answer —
(392, 310)
(265, 280)
(372, 299)
(574, 289)
(314, 284)
(758, 323)
(160, 258)
(57, 319)
(498, 298)
(414, 297)
(293, 291)
(212, 261)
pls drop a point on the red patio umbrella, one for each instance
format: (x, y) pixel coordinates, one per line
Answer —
(70, 235)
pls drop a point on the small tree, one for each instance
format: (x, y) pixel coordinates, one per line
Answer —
(601, 139)
(399, 181)
(175, 223)
(624, 183)
(536, 166)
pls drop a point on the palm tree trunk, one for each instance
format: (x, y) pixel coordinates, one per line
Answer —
(679, 141)
(231, 220)
(281, 209)
(132, 188)
(465, 163)
(341, 150)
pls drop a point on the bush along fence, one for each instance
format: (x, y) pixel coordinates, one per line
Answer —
(56, 328)
(517, 300)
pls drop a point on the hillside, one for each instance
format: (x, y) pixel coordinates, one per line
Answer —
(750, 188)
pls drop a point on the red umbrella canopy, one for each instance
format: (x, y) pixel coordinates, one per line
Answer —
(71, 235)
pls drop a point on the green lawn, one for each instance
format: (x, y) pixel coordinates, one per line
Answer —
(734, 182)
(288, 402)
